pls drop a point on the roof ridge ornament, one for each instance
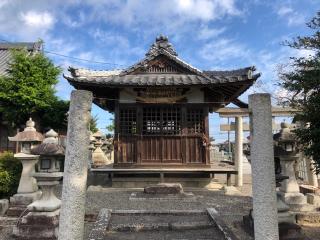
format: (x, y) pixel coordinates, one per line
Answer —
(161, 43)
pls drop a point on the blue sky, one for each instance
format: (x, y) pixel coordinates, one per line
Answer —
(208, 34)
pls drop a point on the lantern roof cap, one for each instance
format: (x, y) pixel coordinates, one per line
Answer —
(50, 145)
(29, 134)
(98, 134)
(285, 134)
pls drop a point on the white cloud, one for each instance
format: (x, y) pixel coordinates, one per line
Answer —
(110, 38)
(223, 49)
(3, 3)
(160, 13)
(292, 17)
(205, 9)
(208, 33)
(37, 19)
(284, 10)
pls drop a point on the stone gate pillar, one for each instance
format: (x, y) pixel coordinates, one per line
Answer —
(263, 172)
(71, 224)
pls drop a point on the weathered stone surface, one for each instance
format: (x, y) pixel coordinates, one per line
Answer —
(183, 197)
(76, 167)
(308, 218)
(291, 231)
(313, 199)
(28, 183)
(4, 205)
(37, 226)
(24, 198)
(262, 163)
(304, 189)
(232, 191)
(97, 233)
(293, 198)
(164, 188)
(239, 151)
(48, 201)
(19, 202)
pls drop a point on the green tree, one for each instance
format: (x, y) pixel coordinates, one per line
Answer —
(29, 87)
(10, 172)
(93, 124)
(302, 81)
(111, 126)
(55, 115)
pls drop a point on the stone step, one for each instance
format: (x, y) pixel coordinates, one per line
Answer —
(201, 234)
(156, 225)
(16, 211)
(158, 221)
(136, 227)
(8, 221)
(308, 218)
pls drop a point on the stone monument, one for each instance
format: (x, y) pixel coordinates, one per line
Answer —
(42, 221)
(28, 189)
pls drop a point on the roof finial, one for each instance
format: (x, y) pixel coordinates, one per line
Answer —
(30, 125)
(161, 43)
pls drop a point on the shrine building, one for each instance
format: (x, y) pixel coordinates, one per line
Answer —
(161, 106)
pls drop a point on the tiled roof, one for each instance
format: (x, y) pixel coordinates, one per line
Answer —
(156, 79)
(5, 55)
(133, 76)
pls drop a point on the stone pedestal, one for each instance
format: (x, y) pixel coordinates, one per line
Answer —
(289, 190)
(28, 189)
(19, 202)
(164, 188)
(28, 183)
(284, 216)
(48, 201)
(38, 226)
(43, 218)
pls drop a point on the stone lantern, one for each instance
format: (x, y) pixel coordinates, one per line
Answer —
(28, 138)
(98, 156)
(42, 220)
(49, 172)
(28, 189)
(286, 150)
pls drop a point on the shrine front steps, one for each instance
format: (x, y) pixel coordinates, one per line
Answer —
(142, 224)
(138, 182)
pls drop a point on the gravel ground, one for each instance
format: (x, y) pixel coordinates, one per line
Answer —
(231, 208)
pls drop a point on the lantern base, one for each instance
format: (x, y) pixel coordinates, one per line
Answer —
(38, 225)
(20, 201)
(296, 201)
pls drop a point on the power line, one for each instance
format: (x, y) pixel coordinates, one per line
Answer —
(76, 58)
(82, 59)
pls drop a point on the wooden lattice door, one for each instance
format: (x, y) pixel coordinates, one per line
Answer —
(161, 135)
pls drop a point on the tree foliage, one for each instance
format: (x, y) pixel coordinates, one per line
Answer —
(302, 81)
(29, 88)
(93, 124)
(10, 172)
